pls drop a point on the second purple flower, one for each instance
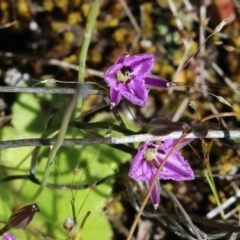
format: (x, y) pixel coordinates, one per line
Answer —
(148, 159)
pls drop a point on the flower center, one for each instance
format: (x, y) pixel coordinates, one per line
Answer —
(124, 74)
(150, 154)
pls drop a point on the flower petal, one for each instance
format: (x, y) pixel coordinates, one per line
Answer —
(183, 143)
(121, 59)
(140, 168)
(141, 64)
(152, 82)
(135, 91)
(115, 97)
(110, 75)
(9, 237)
(176, 168)
(155, 194)
(169, 144)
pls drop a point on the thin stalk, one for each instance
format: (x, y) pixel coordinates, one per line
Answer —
(67, 116)
(70, 91)
(209, 177)
(212, 185)
(213, 188)
(82, 225)
(112, 140)
(58, 143)
(52, 61)
(87, 38)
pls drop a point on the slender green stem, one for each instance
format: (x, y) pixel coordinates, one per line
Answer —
(211, 183)
(209, 177)
(82, 225)
(67, 116)
(87, 38)
(58, 143)
(236, 3)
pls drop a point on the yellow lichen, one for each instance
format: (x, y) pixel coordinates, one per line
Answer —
(68, 37)
(48, 5)
(74, 18)
(71, 59)
(120, 34)
(23, 8)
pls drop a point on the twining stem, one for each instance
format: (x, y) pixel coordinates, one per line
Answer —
(224, 114)
(67, 116)
(235, 134)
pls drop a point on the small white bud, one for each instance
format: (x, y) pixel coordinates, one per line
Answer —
(220, 26)
(193, 105)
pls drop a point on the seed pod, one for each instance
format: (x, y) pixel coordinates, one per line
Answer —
(200, 129)
(162, 127)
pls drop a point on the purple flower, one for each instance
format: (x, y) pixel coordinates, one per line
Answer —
(9, 237)
(148, 159)
(130, 77)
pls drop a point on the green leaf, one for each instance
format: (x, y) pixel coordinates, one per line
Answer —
(31, 111)
(94, 163)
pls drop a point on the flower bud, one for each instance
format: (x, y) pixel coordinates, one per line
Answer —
(162, 127)
(68, 224)
(200, 129)
(23, 216)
